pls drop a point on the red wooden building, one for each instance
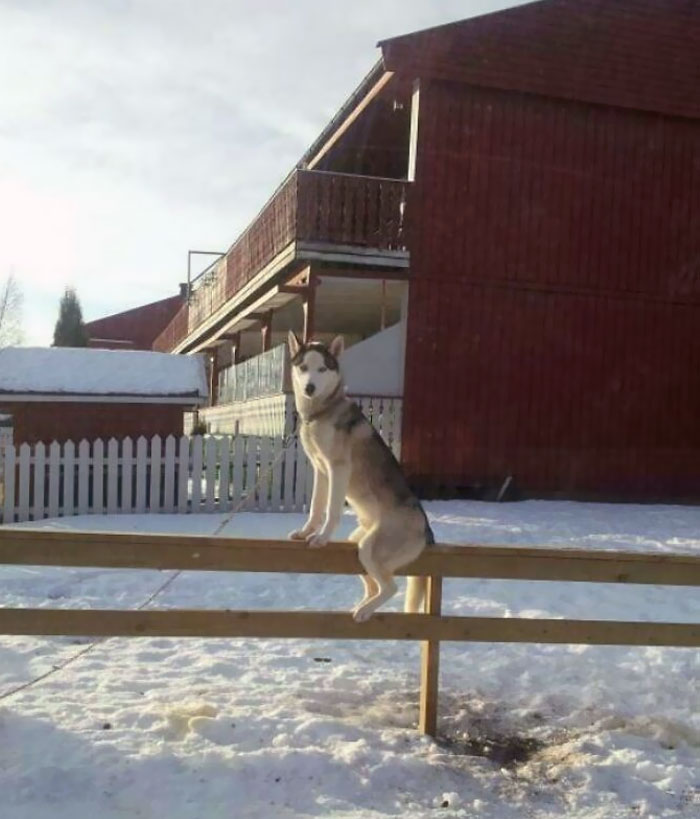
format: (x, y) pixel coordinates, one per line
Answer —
(134, 329)
(66, 394)
(520, 194)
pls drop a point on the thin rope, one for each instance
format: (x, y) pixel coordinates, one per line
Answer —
(160, 589)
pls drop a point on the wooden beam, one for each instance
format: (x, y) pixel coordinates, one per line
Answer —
(266, 332)
(333, 625)
(351, 117)
(294, 289)
(309, 308)
(413, 133)
(235, 348)
(430, 664)
(214, 377)
(363, 274)
(163, 551)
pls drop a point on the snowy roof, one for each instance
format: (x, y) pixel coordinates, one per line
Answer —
(90, 372)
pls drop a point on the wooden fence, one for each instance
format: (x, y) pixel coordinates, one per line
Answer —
(186, 474)
(197, 474)
(192, 552)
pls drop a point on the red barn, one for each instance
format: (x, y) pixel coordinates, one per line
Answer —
(520, 194)
(63, 394)
(137, 328)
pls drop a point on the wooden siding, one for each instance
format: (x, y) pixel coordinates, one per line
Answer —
(639, 54)
(48, 421)
(555, 297)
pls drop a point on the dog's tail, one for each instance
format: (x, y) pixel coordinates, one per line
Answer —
(415, 595)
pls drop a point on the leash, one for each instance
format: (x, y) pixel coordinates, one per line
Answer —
(286, 443)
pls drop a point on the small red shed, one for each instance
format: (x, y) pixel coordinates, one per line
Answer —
(60, 394)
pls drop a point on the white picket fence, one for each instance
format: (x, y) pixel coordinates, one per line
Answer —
(187, 474)
(210, 474)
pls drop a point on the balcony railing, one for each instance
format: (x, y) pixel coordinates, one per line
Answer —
(258, 377)
(310, 207)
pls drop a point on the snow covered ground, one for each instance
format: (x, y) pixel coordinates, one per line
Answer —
(202, 729)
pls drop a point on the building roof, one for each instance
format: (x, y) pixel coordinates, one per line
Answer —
(641, 54)
(339, 117)
(129, 374)
(136, 328)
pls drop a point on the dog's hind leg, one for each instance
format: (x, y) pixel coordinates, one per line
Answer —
(379, 575)
(357, 534)
(416, 589)
(371, 588)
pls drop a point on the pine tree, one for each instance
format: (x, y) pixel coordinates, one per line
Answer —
(70, 330)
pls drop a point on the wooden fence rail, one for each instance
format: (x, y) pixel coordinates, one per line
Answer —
(140, 551)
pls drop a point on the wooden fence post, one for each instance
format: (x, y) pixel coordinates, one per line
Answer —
(430, 664)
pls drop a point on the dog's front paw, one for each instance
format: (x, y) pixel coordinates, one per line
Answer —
(298, 534)
(362, 613)
(317, 539)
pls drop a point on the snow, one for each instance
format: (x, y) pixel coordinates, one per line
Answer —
(100, 372)
(290, 728)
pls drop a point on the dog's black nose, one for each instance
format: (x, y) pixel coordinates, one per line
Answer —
(310, 389)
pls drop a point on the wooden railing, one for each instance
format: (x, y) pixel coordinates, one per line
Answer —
(313, 207)
(271, 231)
(351, 210)
(258, 377)
(193, 552)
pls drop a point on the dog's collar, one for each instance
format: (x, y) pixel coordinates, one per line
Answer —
(334, 398)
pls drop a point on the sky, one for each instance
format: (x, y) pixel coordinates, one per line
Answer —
(132, 131)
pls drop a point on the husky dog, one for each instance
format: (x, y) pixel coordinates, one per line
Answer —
(351, 461)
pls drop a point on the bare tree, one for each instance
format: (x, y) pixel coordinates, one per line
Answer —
(10, 312)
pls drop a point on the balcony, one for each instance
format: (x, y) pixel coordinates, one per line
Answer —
(261, 376)
(254, 397)
(313, 213)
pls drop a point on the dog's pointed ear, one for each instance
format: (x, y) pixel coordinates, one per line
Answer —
(337, 347)
(293, 342)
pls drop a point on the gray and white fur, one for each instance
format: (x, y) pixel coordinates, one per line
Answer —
(352, 462)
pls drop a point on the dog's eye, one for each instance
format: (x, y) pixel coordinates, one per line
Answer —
(303, 368)
(322, 369)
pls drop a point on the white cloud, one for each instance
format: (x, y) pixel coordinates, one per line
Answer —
(132, 130)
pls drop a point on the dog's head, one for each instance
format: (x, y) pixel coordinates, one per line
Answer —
(315, 370)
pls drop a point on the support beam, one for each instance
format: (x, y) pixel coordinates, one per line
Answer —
(235, 348)
(234, 339)
(294, 289)
(382, 318)
(352, 116)
(413, 133)
(430, 663)
(213, 376)
(309, 307)
(266, 330)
